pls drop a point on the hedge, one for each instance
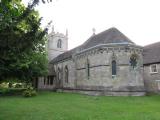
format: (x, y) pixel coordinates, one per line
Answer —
(11, 91)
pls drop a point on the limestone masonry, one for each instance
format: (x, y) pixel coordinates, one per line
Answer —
(107, 63)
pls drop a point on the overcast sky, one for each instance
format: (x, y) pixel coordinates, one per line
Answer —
(139, 20)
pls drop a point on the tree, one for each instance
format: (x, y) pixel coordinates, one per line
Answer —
(22, 41)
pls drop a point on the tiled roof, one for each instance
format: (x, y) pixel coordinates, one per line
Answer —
(151, 53)
(65, 55)
(111, 35)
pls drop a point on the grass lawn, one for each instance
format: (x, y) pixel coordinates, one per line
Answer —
(67, 106)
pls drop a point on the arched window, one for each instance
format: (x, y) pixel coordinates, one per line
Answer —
(88, 69)
(59, 43)
(66, 74)
(114, 68)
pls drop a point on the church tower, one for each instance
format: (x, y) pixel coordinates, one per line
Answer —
(57, 44)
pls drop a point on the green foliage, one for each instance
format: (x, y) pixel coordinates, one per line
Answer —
(22, 41)
(11, 91)
(11, 80)
(4, 85)
(29, 92)
(18, 85)
(12, 83)
(13, 88)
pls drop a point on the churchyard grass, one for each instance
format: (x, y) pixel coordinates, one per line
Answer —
(69, 106)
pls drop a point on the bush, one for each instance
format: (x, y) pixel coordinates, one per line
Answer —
(4, 91)
(3, 85)
(10, 85)
(18, 85)
(17, 89)
(11, 91)
(29, 92)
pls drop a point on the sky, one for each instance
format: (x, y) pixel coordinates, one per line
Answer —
(139, 20)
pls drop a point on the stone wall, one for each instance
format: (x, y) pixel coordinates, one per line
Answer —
(127, 81)
(152, 80)
(71, 73)
(127, 78)
(45, 86)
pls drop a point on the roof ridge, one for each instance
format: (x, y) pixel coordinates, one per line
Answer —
(105, 31)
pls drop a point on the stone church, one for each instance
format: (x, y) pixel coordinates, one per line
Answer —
(107, 63)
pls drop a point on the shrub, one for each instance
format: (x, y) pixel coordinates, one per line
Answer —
(10, 85)
(3, 85)
(18, 85)
(4, 91)
(29, 92)
(11, 91)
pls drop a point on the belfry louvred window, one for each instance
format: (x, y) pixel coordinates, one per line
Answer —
(59, 43)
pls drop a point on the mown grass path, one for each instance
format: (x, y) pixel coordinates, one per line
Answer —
(67, 106)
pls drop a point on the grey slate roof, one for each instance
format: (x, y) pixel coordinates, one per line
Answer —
(151, 53)
(111, 35)
(65, 55)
